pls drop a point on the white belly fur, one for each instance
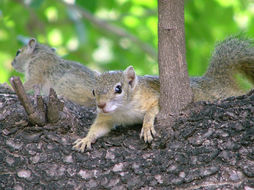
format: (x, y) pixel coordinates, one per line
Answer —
(128, 115)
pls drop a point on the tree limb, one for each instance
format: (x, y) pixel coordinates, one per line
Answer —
(212, 148)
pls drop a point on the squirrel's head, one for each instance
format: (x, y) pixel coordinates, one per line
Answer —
(24, 55)
(114, 89)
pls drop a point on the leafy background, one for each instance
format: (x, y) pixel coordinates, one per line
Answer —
(112, 34)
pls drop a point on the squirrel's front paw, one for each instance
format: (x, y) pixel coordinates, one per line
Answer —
(147, 132)
(82, 144)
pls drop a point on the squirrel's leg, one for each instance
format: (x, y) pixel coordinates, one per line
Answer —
(101, 126)
(148, 130)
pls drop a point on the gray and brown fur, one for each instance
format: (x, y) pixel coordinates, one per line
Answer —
(235, 55)
(44, 68)
(138, 101)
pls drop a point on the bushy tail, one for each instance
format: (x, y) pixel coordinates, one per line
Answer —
(233, 55)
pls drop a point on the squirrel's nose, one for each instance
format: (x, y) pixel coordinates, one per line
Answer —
(101, 105)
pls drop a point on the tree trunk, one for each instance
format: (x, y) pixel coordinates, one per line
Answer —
(174, 80)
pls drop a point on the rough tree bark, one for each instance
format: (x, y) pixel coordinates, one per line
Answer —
(213, 150)
(174, 80)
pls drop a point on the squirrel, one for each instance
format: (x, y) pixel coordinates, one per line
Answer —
(44, 68)
(123, 98)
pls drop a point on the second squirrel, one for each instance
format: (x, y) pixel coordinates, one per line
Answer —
(44, 68)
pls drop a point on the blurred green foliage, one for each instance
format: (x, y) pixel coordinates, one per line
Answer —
(134, 25)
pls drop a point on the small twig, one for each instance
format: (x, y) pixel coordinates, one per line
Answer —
(20, 91)
(38, 101)
(40, 108)
(34, 116)
(55, 106)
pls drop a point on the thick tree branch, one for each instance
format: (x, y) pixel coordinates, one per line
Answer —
(212, 148)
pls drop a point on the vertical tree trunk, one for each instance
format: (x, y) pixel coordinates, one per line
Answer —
(175, 91)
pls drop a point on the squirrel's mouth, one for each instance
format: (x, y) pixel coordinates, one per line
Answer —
(105, 111)
(102, 110)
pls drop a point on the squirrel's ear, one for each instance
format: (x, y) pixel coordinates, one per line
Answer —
(130, 74)
(32, 43)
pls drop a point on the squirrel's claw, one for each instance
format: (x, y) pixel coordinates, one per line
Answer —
(147, 132)
(82, 144)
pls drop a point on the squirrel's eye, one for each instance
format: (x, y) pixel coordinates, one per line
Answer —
(93, 93)
(18, 52)
(118, 89)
